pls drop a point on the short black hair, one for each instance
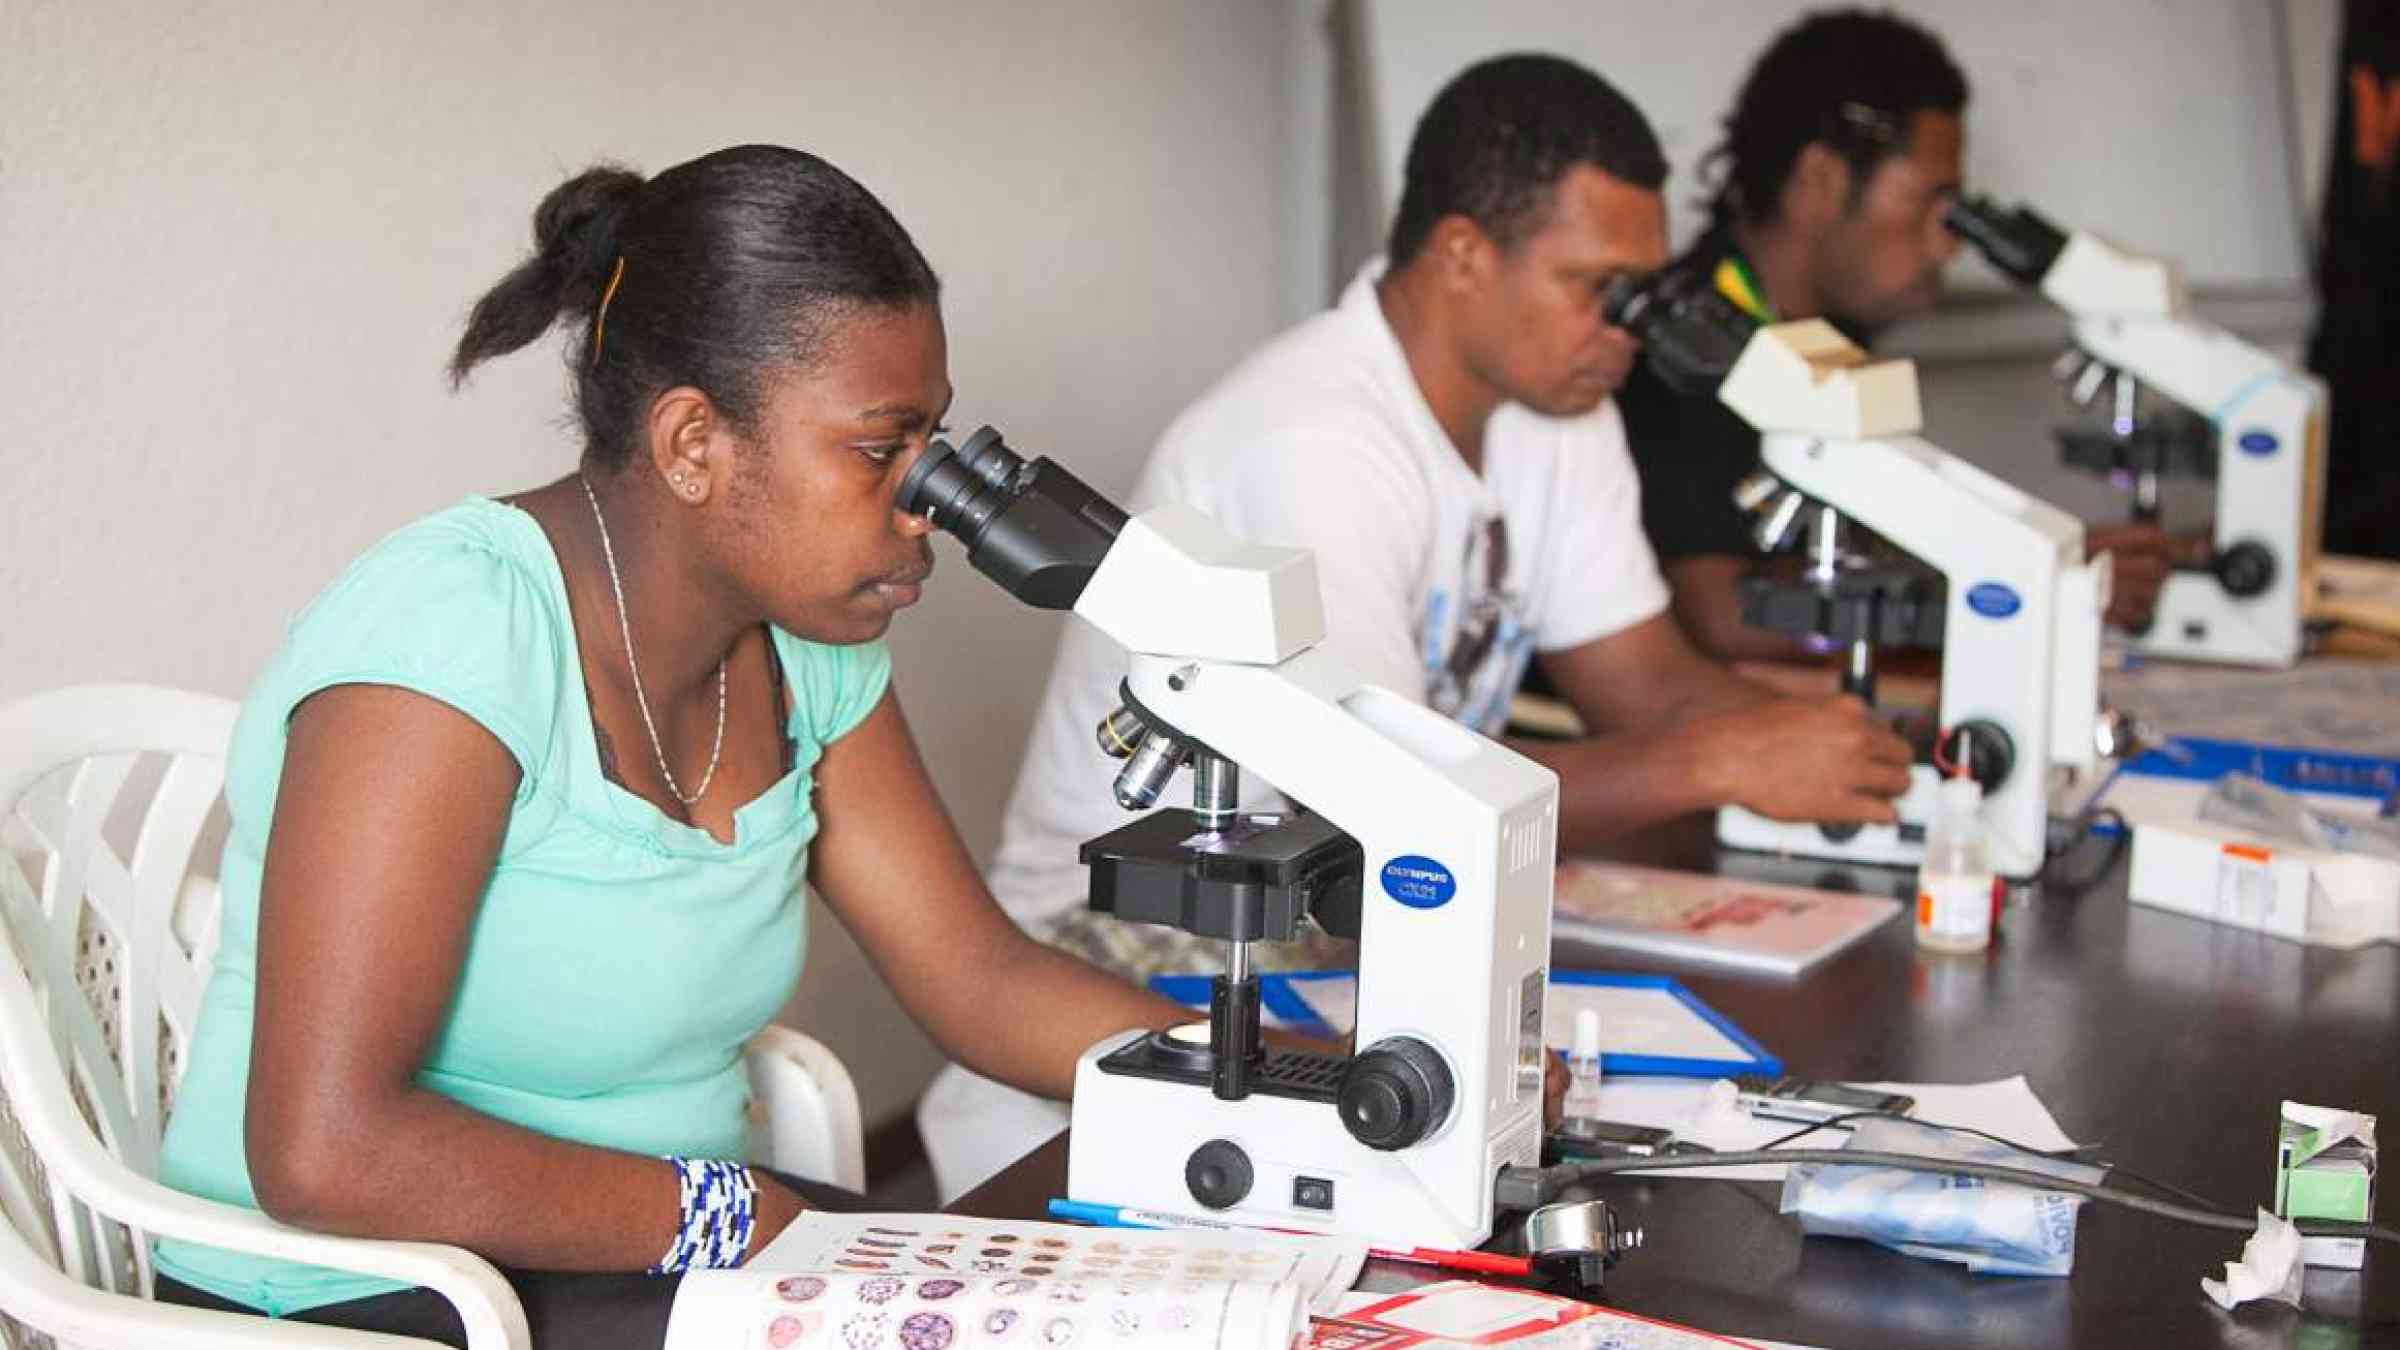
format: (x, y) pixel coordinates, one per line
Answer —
(1852, 80)
(1498, 138)
(712, 274)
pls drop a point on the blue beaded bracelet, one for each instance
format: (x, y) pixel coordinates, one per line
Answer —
(719, 1200)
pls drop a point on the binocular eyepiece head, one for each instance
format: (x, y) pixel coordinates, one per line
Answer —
(1690, 333)
(2016, 240)
(1031, 526)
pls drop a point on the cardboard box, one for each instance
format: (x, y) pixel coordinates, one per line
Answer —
(2325, 1169)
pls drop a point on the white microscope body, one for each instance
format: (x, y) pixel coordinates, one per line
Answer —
(2133, 321)
(1430, 844)
(1458, 836)
(2021, 628)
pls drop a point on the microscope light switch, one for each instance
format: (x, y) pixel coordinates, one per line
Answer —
(1312, 1193)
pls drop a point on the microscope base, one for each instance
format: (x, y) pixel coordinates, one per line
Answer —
(2198, 621)
(1136, 1141)
(1901, 845)
(2018, 858)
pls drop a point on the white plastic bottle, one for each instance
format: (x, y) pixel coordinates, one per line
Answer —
(1583, 1068)
(1954, 884)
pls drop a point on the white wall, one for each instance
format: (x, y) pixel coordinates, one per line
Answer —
(2159, 123)
(237, 240)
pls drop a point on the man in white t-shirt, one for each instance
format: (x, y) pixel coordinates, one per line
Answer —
(1441, 440)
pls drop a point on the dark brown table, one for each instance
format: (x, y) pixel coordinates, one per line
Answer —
(2169, 1040)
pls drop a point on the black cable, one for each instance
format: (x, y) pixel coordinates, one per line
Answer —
(2079, 1154)
(2079, 829)
(1551, 1180)
(1843, 1120)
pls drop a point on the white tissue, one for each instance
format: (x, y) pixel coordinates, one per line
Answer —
(2269, 1268)
(1719, 1114)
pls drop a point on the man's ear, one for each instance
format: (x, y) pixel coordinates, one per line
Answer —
(1818, 190)
(1464, 257)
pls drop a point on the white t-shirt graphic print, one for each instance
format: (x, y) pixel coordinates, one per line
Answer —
(1477, 641)
(1439, 584)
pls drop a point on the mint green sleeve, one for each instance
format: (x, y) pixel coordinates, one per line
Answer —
(833, 688)
(447, 618)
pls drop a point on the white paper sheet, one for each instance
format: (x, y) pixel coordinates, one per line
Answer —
(1636, 1020)
(1693, 1109)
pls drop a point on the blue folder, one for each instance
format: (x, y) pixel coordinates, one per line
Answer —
(1279, 997)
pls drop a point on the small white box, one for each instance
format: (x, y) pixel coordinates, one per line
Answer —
(2232, 877)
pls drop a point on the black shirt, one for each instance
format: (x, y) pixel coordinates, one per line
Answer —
(1690, 451)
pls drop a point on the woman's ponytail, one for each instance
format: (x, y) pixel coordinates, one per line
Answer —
(575, 245)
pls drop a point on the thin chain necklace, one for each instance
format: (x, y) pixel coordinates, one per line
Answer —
(625, 628)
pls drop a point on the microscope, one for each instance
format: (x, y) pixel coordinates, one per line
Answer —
(2220, 408)
(1991, 577)
(1431, 845)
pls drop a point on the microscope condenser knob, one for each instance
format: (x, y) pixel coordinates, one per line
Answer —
(2245, 570)
(1218, 1174)
(1395, 1094)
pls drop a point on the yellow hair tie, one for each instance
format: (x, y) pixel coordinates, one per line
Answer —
(600, 320)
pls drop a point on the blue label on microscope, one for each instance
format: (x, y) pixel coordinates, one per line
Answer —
(2259, 443)
(1418, 882)
(1993, 600)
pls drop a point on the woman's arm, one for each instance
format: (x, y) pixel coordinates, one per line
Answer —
(387, 824)
(889, 862)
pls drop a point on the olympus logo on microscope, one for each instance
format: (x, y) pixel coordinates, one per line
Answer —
(1418, 881)
(1993, 600)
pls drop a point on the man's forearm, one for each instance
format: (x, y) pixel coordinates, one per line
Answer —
(1609, 785)
(1701, 687)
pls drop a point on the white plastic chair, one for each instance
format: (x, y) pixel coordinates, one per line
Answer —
(100, 980)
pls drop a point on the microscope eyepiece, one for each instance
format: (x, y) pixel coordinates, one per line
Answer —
(1033, 527)
(961, 489)
(1690, 334)
(2014, 239)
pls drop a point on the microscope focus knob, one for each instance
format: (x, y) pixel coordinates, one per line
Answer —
(1395, 1093)
(1991, 754)
(2244, 570)
(1218, 1174)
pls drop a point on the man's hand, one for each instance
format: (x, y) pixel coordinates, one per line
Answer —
(2141, 556)
(1820, 759)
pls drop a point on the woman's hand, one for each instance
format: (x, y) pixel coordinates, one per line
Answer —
(778, 1205)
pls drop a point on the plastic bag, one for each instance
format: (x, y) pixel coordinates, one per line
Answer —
(1989, 1227)
(2246, 803)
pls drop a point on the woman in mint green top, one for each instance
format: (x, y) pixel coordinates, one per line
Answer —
(523, 808)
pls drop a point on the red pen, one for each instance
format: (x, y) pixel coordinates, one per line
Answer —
(1480, 1263)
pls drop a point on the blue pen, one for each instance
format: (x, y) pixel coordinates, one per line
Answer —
(1121, 1216)
(1084, 1211)
(1125, 1216)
